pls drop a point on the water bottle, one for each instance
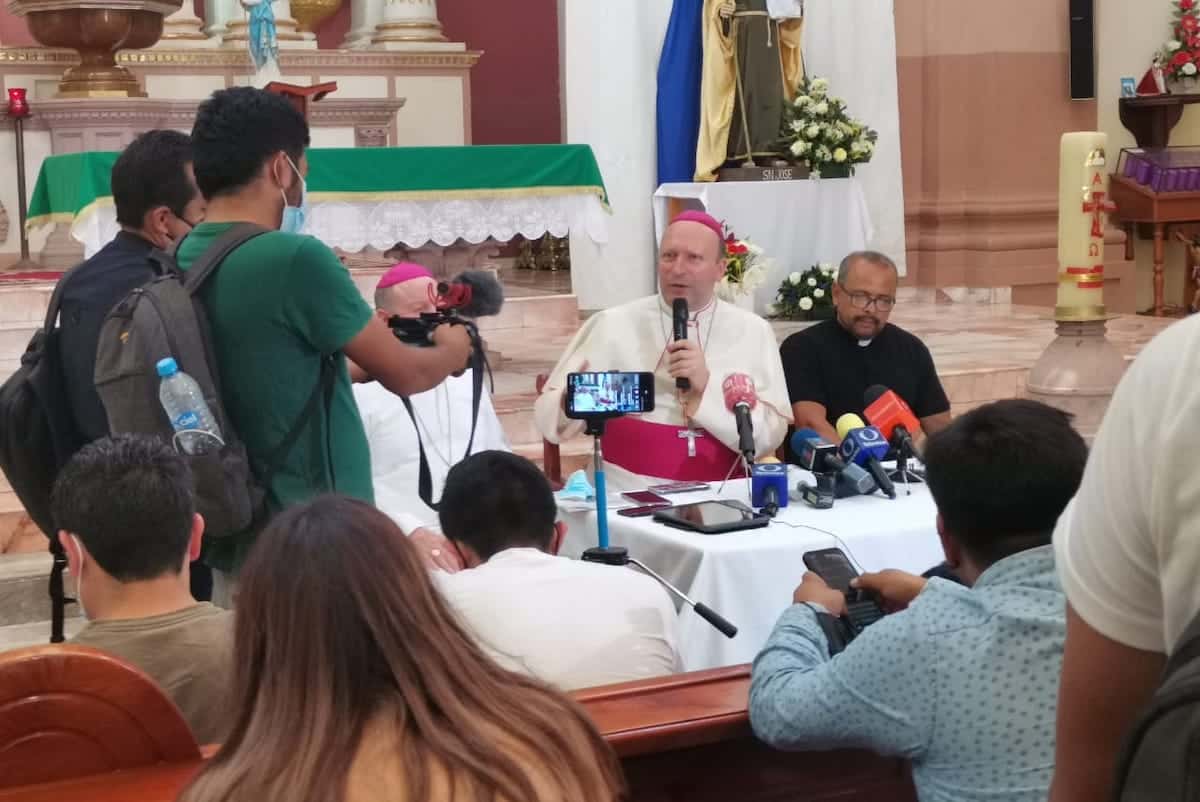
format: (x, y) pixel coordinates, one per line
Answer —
(196, 432)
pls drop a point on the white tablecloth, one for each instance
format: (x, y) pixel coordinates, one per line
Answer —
(354, 225)
(797, 223)
(748, 577)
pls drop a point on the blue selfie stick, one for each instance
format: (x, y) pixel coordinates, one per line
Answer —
(601, 495)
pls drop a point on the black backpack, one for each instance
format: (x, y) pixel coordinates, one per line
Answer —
(38, 436)
(1160, 761)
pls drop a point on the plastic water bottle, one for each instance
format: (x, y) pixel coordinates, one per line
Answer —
(196, 432)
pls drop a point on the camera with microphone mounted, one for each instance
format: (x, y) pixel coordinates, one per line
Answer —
(473, 294)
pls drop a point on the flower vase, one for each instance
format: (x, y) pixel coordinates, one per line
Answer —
(1185, 85)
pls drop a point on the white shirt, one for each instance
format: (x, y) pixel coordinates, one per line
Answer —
(569, 623)
(445, 417)
(634, 337)
(1128, 546)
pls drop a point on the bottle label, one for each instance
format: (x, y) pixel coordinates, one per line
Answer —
(188, 420)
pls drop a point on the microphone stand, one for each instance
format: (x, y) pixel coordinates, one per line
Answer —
(903, 473)
(618, 555)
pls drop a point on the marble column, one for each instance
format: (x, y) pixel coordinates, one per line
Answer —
(364, 16)
(184, 29)
(406, 22)
(217, 14)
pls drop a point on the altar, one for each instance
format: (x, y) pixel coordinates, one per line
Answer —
(383, 197)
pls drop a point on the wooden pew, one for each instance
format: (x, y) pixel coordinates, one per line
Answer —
(684, 738)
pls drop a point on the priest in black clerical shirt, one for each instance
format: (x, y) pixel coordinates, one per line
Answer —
(829, 366)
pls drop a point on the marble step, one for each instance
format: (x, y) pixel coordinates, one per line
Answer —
(24, 597)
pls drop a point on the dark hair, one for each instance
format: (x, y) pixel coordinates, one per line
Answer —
(870, 257)
(152, 172)
(128, 498)
(237, 130)
(339, 626)
(1002, 474)
(494, 501)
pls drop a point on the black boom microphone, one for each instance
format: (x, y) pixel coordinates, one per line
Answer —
(679, 316)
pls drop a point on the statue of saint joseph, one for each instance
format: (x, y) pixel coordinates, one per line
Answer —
(752, 66)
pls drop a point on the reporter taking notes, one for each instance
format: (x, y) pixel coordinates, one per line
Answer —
(690, 435)
(830, 366)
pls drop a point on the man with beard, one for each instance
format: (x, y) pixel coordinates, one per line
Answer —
(829, 366)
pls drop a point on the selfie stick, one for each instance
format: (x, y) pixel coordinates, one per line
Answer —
(595, 427)
(620, 556)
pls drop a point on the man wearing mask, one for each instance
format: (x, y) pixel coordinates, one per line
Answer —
(157, 202)
(690, 435)
(282, 307)
(830, 366)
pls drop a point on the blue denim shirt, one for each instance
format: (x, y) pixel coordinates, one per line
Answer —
(964, 683)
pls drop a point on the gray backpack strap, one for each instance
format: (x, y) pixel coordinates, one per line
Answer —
(214, 255)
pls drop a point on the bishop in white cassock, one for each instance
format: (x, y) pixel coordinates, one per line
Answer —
(443, 418)
(690, 435)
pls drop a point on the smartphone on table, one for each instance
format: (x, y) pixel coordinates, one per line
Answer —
(647, 503)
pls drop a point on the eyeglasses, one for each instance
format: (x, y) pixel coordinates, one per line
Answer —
(864, 300)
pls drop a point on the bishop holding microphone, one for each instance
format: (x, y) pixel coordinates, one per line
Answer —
(716, 369)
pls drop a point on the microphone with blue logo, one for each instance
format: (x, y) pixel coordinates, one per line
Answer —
(866, 446)
(769, 486)
(835, 478)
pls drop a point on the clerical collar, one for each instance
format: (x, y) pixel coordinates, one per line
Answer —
(865, 343)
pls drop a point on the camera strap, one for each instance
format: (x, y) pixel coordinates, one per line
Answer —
(479, 364)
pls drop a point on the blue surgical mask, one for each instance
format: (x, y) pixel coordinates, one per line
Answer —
(294, 216)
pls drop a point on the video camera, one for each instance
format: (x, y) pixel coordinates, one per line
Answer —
(473, 294)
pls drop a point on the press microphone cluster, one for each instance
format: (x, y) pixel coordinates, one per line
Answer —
(835, 478)
(887, 412)
(865, 446)
(679, 321)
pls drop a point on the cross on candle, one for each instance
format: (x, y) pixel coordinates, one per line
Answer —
(1098, 206)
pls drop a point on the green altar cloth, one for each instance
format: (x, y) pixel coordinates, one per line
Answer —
(70, 185)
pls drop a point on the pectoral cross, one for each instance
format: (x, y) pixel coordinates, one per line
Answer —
(691, 435)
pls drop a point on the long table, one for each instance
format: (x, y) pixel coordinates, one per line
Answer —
(749, 576)
(379, 197)
(684, 738)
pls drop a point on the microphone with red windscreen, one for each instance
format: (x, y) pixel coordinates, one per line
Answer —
(887, 412)
(741, 399)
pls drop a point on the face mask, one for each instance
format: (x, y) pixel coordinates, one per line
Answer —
(79, 578)
(293, 216)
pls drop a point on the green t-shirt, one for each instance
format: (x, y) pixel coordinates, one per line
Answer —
(276, 306)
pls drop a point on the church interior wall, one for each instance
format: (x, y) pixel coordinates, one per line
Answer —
(983, 103)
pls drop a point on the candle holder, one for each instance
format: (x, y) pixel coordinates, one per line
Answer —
(18, 111)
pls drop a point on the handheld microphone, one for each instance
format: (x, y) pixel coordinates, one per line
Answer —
(679, 317)
(895, 419)
(768, 487)
(740, 399)
(865, 446)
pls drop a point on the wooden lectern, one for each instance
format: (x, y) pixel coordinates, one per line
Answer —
(301, 96)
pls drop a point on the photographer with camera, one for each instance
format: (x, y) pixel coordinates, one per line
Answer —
(440, 422)
(286, 317)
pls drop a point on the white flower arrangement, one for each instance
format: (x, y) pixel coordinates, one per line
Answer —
(818, 132)
(805, 294)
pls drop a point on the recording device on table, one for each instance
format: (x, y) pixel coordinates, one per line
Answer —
(594, 398)
(712, 517)
(835, 478)
(473, 294)
(895, 420)
(865, 446)
(679, 324)
(834, 567)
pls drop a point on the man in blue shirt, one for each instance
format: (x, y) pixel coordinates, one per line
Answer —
(963, 681)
